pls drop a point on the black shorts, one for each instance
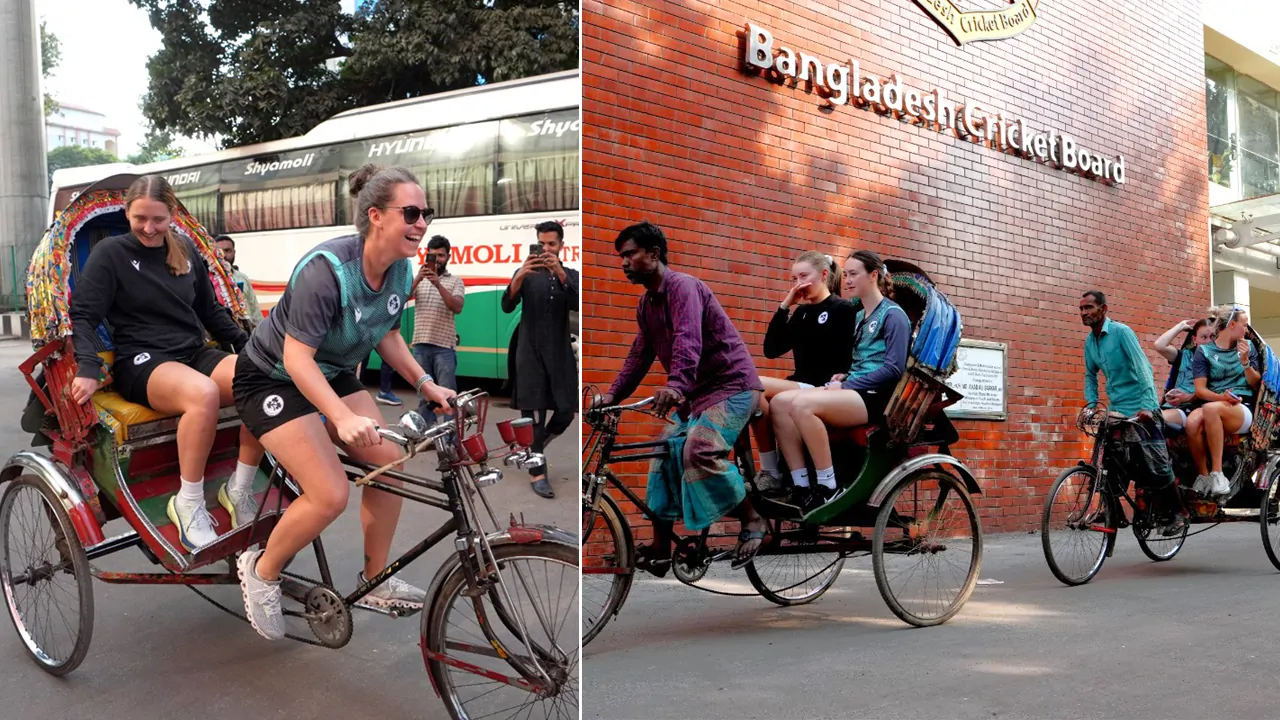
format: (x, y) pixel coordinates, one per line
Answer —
(265, 403)
(129, 375)
(876, 400)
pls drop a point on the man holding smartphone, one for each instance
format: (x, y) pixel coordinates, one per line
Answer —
(546, 386)
(438, 298)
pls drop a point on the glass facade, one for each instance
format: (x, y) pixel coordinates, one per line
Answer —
(1243, 118)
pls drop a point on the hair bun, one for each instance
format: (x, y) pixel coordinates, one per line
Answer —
(357, 180)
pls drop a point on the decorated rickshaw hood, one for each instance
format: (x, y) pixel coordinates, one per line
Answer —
(49, 274)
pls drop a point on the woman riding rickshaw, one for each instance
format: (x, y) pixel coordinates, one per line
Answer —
(816, 326)
(153, 288)
(881, 337)
(1226, 373)
(344, 299)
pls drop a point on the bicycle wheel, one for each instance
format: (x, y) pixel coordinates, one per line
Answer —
(1155, 545)
(465, 668)
(608, 565)
(1268, 517)
(785, 578)
(1076, 528)
(928, 536)
(45, 576)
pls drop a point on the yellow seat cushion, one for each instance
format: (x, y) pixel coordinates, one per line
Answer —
(125, 412)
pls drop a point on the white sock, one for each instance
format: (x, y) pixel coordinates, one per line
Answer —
(242, 480)
(769, 461)
(827, 478)
(800, 478)
(192, 493)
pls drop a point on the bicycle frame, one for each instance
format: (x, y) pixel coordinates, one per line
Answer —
(474, 553)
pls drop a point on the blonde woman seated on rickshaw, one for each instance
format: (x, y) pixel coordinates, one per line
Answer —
(881, 336)
(1226, 375)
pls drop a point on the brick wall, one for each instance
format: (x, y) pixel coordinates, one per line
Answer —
(744, 174)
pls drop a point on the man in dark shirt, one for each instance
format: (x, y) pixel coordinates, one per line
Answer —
(712, 383)
(546, 387)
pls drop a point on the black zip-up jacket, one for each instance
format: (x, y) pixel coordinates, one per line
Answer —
(149, 309)
(819, 337)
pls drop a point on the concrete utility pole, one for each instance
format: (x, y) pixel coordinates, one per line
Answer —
(24, 186)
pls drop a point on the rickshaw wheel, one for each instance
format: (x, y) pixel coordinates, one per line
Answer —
(1073, 498)
(929, 519)
(1159, 548)
(45, 576)
(788, 579)
(1268, 517)
(543, 581)
(608, 547)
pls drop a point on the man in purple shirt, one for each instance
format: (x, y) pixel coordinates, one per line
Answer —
(711, 382)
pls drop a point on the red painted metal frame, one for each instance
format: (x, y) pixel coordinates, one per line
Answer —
(428, 655)
(127, 578)
(74, 420)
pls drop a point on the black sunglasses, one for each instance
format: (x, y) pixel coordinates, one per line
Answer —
(413, 212)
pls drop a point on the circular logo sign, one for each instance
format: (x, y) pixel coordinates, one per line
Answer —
(141, 358)
(273, 405)
(871, 326)
(822, 319)
(393, 304)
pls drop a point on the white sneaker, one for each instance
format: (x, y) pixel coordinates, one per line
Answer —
(261, 598)
(195, 524)
(1221, 485)
(241, 508)
(1202, 485)
(394, 593)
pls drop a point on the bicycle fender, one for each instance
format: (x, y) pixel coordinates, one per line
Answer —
(58, 478)
(915, 464)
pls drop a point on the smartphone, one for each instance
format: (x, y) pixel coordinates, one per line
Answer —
(535, 249)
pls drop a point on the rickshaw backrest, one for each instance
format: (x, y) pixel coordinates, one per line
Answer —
(937, 327)
(1266, 414)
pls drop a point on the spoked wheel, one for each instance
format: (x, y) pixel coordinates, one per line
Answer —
(607, 565)
(793, 573)
(468, 672)
(1076, 529)
(45, 576)
(1268, 519)
(1155, 544)
(927, 548)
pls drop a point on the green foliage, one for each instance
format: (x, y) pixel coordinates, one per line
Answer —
(50, 56)
(256, 70)
(69, 156)
(155, 147)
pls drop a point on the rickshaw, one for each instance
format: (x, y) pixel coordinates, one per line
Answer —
(925, 536)
(1084, 512)
(492, 612)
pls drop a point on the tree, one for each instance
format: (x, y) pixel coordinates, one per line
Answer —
(69, 156)
(50, 56)
(155, 147)
(256, 70)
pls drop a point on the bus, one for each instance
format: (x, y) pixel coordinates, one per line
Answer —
(495, 160)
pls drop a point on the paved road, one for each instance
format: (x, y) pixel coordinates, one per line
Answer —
(1192, 638)
(162, 652)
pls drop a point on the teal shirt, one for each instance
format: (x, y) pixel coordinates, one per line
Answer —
(1131, 385)
(1186, 375)
(1222, 369)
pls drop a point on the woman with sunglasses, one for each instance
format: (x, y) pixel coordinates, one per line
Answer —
(1180, 390)
(1226, 374)
(345, 298)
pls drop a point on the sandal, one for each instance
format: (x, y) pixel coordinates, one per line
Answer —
(744, 537)
(647, 561)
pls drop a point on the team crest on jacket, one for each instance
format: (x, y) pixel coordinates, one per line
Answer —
(822, 319)
(393, 304)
